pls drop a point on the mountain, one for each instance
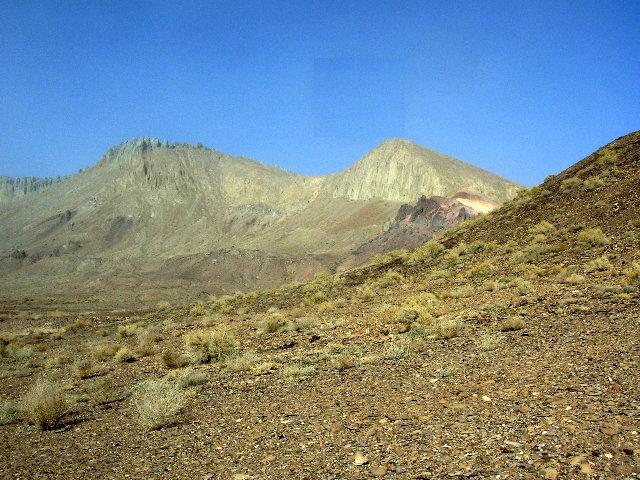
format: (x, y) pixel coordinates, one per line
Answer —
(505, 348)
(152, 215)
(402, 171)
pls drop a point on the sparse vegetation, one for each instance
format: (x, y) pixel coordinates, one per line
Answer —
(447, 328)
(511, 324)
(463, 291)
(211, 345)
(9, 412)
(297, 371)
(158, 403)
(600, 264)
(44, 405)
(592, 237)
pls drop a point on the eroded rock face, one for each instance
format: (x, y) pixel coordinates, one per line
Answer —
(416, 224)
(19, 187)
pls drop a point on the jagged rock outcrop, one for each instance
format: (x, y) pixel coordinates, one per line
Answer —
(416, 224)
(19, 187)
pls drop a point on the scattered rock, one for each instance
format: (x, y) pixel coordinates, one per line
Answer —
(360, 459)
(550, 474)
(609, 429)
(378, 471)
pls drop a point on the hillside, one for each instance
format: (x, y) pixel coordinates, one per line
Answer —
(164, 219)
(506, 348)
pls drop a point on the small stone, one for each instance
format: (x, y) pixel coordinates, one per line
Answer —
(269, 458)
(378, 471)
(586, 469)
(609, 429)
(486, 398)
(524, 409)
(513, 444)
(360, 459)
(550, 474)
(577, 461)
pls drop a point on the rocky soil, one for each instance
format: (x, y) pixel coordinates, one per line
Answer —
(509, 348)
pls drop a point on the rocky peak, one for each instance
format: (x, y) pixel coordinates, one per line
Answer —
(138, 145)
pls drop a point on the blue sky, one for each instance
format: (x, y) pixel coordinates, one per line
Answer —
(521, 88)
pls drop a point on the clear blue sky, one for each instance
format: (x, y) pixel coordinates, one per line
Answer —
(521, 88)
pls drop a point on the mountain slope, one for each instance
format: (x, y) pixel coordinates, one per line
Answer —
(403, 171)
(147, 201)
(508, 348)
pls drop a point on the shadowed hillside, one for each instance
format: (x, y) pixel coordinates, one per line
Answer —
(505, 348)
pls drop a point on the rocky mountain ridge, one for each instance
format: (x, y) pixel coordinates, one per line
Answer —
(147, 201)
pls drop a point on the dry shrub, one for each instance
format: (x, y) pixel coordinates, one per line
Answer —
(570, 184)
(106, 350)
(389, 279)
(575, 279)
(172, 359)
(343, 362)
(512, 323)
(592, 237)
(600, 264)
(199, 309)
(422, 308)
(489, 343)
(44, 405)
(186, 378)
(240, 363)
(129, 330)
(464, 291)
(163, 305)
(544, 228)
(84, 369)
(215, 344)
(271, 324)
(78, 325)
(448, 328)
(632, 274)
(366, 293)
(9, 412)
(101, 391)
(158, 404)
(125, 355)
(293, 372)
(397, 350)
(424, 253)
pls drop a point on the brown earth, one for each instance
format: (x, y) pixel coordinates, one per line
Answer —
(508, 348)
